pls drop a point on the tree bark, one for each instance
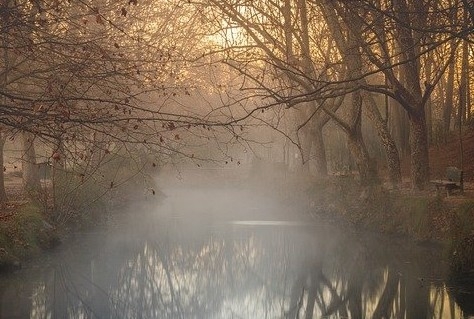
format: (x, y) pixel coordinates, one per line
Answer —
(391, 151)
(463, 92)
(3, 193)
(358, 148)
(399, 127)
(31, 180)
(419, 149)
(448, 100)
(319, 151)
(312, 141)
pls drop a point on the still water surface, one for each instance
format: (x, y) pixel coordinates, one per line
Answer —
(215, 253)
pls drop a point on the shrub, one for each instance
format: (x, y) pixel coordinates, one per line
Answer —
(462, 245)
(24, 234)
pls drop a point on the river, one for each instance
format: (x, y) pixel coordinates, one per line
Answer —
(232, 253)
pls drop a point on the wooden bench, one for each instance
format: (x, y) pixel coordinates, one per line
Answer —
(453, 181)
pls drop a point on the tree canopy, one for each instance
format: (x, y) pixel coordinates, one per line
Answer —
(173, 75)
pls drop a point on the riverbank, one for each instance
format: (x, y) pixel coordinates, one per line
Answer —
(24, 234)
(423, 216)
(28, 227)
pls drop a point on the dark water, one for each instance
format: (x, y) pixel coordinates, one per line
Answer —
(231, 254)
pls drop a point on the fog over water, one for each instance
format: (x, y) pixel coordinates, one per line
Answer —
(232, 251)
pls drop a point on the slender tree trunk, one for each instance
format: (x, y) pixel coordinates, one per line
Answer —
(311, 137)
(320, 151)
(463, 92)
(391, 151)
(321, 120)
(306, 143)
(357, 145)
(288, 31)
(449, 99)
(399, 127)
(3, 193)
(31, 180)
(468, 95)
(429, 112)
(361, 156)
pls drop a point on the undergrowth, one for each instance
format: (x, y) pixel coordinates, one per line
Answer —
(23, 235)
(462, 241)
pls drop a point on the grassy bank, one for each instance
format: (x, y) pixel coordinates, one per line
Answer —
(31, 224)
(23, 235)
(422, 216)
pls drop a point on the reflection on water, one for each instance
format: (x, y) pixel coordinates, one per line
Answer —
(171, 265)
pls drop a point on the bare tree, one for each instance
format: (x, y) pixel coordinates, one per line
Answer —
(72, 72)
(401, 25)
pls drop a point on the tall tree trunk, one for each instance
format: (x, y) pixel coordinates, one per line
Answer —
(312, 129)
(391, 151)
(3, 193)
(357, 145)
(463, 92)
(399, 127)
(358, 150)
(317, 124)
(361, 156)
(448, 101)
(306, 142)
(429, 112)
(468, 95)
(349, 49)
(419, 149)
(319, 150)
(411, 96)
(449, 97)
(31, 180)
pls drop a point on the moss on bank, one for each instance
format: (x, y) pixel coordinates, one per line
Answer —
(24, 234)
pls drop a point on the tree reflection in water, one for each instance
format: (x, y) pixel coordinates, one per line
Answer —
(179, 268)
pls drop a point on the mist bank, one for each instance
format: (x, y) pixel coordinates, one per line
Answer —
(420, 216)
(269, 191)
